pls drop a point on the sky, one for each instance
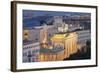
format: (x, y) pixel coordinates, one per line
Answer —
(32, 18)
(50, 13)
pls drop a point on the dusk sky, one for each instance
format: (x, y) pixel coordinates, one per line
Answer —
(32, 18)
(50, 13)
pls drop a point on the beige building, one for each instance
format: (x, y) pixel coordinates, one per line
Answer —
(63, 45)
(56, 43)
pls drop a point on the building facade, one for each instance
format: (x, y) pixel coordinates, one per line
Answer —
(53, 42)
(31, 51)
(83, 36)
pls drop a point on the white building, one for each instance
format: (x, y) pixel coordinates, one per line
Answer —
(30, 51)
(83, 36)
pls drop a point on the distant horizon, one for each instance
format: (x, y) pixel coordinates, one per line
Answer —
(50, 13)
(32, 18)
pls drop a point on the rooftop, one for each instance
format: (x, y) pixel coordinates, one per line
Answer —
(25, 42)
(53, 51)
(59, 36)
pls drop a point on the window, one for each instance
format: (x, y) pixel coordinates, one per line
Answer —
(25, 54)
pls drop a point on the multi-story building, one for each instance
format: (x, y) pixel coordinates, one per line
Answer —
(63, 45)
(55, 42)
(83, 36)
(32, 34)
(30, 51)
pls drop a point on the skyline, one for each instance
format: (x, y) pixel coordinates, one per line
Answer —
(32, 18)
(50, 13)
(57, 42)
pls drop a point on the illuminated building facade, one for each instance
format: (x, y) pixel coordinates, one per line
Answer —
(63, 45)
(55, 42)
(25, 34)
